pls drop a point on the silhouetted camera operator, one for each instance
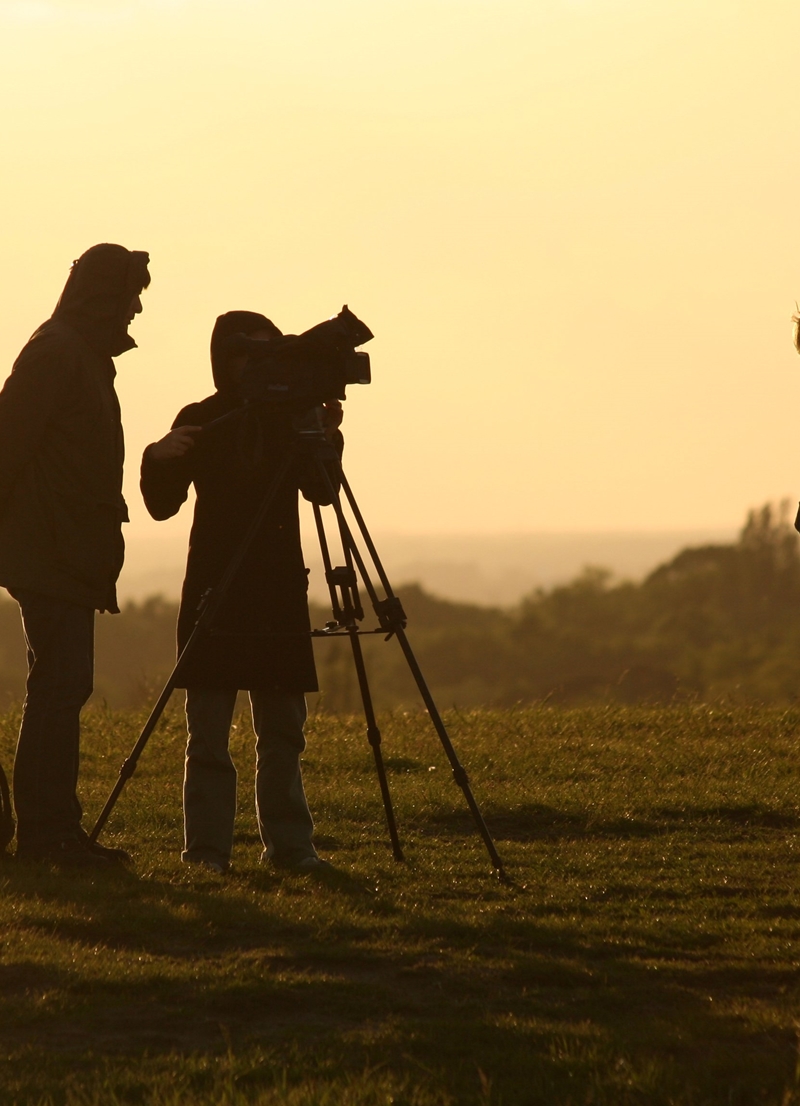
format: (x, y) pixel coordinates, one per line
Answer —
(260, 637)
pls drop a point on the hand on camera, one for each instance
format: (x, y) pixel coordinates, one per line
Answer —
(175, 444)
(332, 415)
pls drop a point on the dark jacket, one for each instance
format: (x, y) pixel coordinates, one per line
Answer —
(260, 637)
(61, 445)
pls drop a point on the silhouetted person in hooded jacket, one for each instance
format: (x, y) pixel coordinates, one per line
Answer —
(260, 640)
(61, 546)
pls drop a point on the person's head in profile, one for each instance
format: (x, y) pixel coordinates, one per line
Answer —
(102, 295)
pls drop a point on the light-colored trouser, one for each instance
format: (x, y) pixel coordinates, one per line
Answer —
(209, 787)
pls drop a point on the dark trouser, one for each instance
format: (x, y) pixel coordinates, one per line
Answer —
(209, 790)
(60, 641)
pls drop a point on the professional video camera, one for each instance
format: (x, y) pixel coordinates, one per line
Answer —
(305, 370)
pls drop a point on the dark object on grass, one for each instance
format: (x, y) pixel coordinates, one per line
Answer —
(6, 815)
(70, 853)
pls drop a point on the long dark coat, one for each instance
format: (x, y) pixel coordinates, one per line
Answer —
(61, 453)
(260, 637)
(61, 446)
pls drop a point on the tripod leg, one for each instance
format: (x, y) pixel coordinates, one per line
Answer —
(362, 526)
(326, 563)
(129, 765)
(350, 610)
(459, 772)
(374, 738)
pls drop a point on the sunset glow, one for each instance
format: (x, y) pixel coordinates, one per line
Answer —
(571, 226)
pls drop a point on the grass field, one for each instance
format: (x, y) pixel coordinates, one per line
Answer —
(648, 952)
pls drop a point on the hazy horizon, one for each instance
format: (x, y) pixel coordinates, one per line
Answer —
(488, 569)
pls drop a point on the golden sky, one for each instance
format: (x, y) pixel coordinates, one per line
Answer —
(572, 225)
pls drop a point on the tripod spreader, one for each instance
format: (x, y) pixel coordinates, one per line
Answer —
(391, 615)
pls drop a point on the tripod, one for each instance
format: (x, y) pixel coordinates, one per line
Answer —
(311, 446)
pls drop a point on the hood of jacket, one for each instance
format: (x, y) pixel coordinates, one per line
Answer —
(233, 322)
(98, 292)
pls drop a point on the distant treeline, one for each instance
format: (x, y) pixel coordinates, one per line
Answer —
(719, 621)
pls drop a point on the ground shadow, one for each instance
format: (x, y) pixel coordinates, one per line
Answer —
(536, 822)
(604, 1008)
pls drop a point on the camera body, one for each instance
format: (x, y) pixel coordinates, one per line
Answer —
(305, 370)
